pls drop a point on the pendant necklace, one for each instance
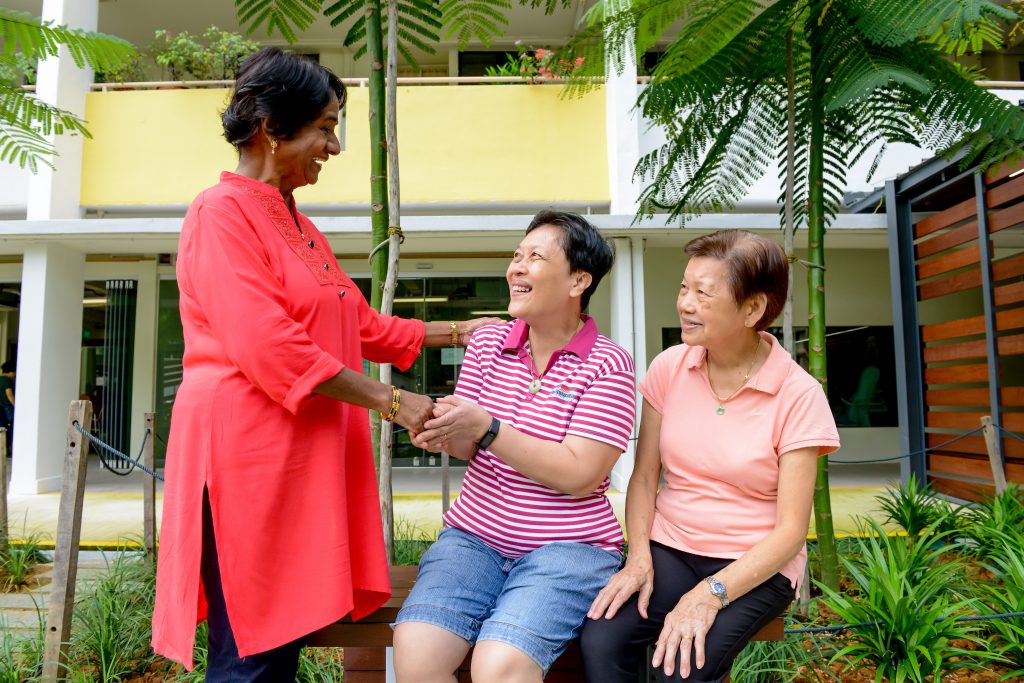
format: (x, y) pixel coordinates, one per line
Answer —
(535, 383)
(720, 410)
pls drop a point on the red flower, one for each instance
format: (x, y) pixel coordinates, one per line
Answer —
(579, 62)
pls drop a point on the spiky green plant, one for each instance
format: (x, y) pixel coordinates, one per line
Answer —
(911, 591)
(781, 661)
(411, 542)
(21, 655)
(321, 665)
(20, 560)
(993, 522)
(111, 632)
(1006, 597)
(915, 507)
(25, 121)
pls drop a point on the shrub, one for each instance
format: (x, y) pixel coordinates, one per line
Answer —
(18, 563)
(915, 507)
(1006, 597)
(21, 656)
(988, 525)
(111, 633)
(411, 542)
(905, 615)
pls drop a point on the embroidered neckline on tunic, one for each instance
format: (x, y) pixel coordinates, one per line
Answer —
(303, 244)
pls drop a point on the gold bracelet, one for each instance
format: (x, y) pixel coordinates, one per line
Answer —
(455, 333)
(396, 401)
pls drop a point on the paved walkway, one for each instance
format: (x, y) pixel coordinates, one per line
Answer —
(112, 514)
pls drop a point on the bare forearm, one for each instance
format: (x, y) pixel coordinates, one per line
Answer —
(552, 464)
(357, 388)
(640, 500)
(762, 561)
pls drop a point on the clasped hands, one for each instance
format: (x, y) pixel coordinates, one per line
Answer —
(685, 627)
(455, 425)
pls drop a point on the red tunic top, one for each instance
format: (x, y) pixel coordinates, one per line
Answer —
(267, 316)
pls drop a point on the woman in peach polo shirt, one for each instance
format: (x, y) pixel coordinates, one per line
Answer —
(717, 552)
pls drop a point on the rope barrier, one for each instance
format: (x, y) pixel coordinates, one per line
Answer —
(118, 454)
(845, 627)
(908, 455)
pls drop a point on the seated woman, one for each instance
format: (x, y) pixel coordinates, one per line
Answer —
(543, 408)
(737, 427)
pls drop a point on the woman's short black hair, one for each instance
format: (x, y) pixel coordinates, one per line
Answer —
(585, 248)
(286, 89)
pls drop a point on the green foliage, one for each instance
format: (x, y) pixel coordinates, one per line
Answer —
(18, 563)
(720, 92)
(537, 65)
(25, 122)
(915, 507)
(226, 50)
(993, 523)
(1006, 597)
(780, 661)
(910, 594)
(132, 70)
(411, 542)
(111, 631)
(21, 70)
(21, 656)
(483, 20)
(181, 54)
(321, 665)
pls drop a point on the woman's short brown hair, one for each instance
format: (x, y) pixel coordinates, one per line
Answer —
(756, 265)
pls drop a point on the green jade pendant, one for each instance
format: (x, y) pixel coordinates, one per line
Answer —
(720, 410)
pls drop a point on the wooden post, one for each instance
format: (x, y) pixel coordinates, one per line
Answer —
(992, 445)
(65, 554)
(149, 489)
(3, 492)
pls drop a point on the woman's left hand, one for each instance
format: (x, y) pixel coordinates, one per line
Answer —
(455, 419)
(685, 627)
(466, 328)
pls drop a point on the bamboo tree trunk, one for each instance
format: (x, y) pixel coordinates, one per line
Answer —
(816, 299)
(391, 281)
(789, 228)
(378, 178)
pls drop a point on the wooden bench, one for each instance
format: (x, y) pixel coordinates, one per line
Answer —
(365, 640)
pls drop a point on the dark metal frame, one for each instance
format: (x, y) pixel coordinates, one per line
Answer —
(924, 182)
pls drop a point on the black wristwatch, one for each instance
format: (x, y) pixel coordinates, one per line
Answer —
(492, 432)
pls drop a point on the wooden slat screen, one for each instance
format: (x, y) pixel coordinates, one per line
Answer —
(955, 351)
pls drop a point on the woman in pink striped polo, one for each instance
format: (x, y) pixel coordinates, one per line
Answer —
(543, 408)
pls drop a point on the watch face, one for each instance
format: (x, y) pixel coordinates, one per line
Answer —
(718, 587)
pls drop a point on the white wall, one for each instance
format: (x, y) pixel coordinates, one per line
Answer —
(13, 191)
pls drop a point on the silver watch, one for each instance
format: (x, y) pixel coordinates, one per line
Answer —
(718, 590)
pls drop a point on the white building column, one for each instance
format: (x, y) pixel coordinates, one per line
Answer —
(622, 127)
(49, 343)
(55, 193)
(622, 333)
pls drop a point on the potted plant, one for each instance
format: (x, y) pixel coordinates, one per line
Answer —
(181, 54)
(225, 51)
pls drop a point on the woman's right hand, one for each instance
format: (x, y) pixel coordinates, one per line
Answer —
(637, 575)
(413, 411)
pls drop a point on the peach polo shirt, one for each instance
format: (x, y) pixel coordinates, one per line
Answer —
(721, 472)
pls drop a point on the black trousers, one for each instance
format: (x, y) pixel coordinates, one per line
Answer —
(223, 665)
(613, 649)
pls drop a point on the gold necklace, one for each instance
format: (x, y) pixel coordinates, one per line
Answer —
(720, 410)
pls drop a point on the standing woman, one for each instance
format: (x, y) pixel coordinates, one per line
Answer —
(737, 428)
(271, 523)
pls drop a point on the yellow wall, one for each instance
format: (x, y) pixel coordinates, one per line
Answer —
(457, 144)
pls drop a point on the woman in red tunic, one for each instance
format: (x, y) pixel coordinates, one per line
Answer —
(271, 522)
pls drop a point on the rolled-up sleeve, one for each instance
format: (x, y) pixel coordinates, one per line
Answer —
(388, 338)
(227, 272)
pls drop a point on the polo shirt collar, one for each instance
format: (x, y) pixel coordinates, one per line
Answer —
(768, 379)
(581, 345)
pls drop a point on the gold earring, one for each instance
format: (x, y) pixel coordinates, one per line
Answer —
(273, 145)
(746, 323)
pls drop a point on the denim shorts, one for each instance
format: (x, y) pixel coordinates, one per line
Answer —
(536, 603)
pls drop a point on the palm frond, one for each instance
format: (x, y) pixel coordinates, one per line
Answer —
(290, 17)
(35, 39)
(482, 20)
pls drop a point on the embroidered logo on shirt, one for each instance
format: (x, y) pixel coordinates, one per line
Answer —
(563, 392)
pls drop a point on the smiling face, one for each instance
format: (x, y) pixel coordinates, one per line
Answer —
(299, 158)
(539, 280)
(708, 313)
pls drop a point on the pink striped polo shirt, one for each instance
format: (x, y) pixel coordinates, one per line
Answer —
(588, 391)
